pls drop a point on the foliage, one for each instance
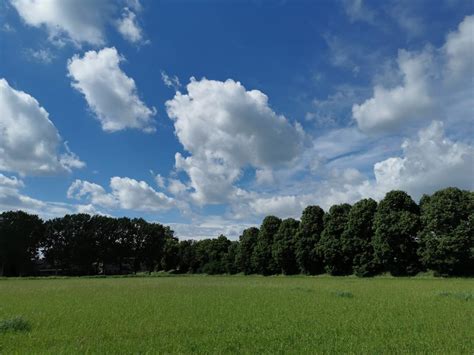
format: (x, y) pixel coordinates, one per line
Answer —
(330, 245)
(396, 225)
(365, 239)
(356, 240)
(20, 234)
(284, 247)
(447, 235)
(307, 237)
(262, 257)
(246, 247)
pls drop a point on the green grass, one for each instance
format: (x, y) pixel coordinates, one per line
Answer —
(225, 314)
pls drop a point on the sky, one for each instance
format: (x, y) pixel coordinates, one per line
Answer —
(209, 115)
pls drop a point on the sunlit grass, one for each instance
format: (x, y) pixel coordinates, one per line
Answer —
(224, 314)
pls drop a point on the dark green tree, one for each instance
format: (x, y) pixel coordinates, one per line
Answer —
(396, 225)
(245, 250)
(447, 236)
(262, 257)
(170, 259)
(230, 258)
(20, 234)
(187, 256)
(357, 249)
(330, 244)
(283, 249)
(309, 234)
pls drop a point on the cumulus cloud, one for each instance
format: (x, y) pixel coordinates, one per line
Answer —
(29, 141)
(429, 163)
(82, 21)
(109, 92)
(390, 108)
(225, 128)
(126, 193)
(435, 81)
(459, 49)
(128, 26)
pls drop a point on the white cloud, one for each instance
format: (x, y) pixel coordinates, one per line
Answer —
(170, 81)
(78, 21)
(226, 128)
(209, 227)
(435, 82)
(159, 180)
(109, 92)
(176, 187)
(459, 49)
(429, 163)
(129, 28)
(126, 193)
(391, 108)
(11, 199)
(356, 10)
(42, 55)
(83, 21)
(29, 141)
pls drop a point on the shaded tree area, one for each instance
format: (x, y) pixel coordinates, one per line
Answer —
(396, 236)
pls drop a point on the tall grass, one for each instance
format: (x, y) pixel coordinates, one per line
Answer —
(246, 314)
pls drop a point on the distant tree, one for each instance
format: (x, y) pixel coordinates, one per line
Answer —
(230, 258)
(152, 243)
(330, 244)
(262, 257)
(187, 256)
(20, 235)
(283, 249)
(245, 250)
(309, 234)
(105, 229)
(397, 224)
(447, 235)
(170, 259)
(356, 240)
(70, 243)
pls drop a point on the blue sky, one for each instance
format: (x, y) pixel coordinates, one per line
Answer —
(209, 115)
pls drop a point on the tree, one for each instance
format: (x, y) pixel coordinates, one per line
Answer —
(330, 244)
(230, 258)
(356, 240)
(187, 256)
(397, 224)
(447, 235)
(283, 249)
(262, 257)
(170, 259)
(245, 250)
(309, 234)
(20, 235)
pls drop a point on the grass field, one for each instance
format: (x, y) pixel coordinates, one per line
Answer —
(227, 314)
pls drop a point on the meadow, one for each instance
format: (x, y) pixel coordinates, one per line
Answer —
(246, 314)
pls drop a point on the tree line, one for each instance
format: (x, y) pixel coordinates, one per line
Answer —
(395, 235)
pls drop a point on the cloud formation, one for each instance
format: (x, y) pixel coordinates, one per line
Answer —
(430, 80)
(109, 92)
(126, 193)
(225, 128)
(29, 142)
(82, 21)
